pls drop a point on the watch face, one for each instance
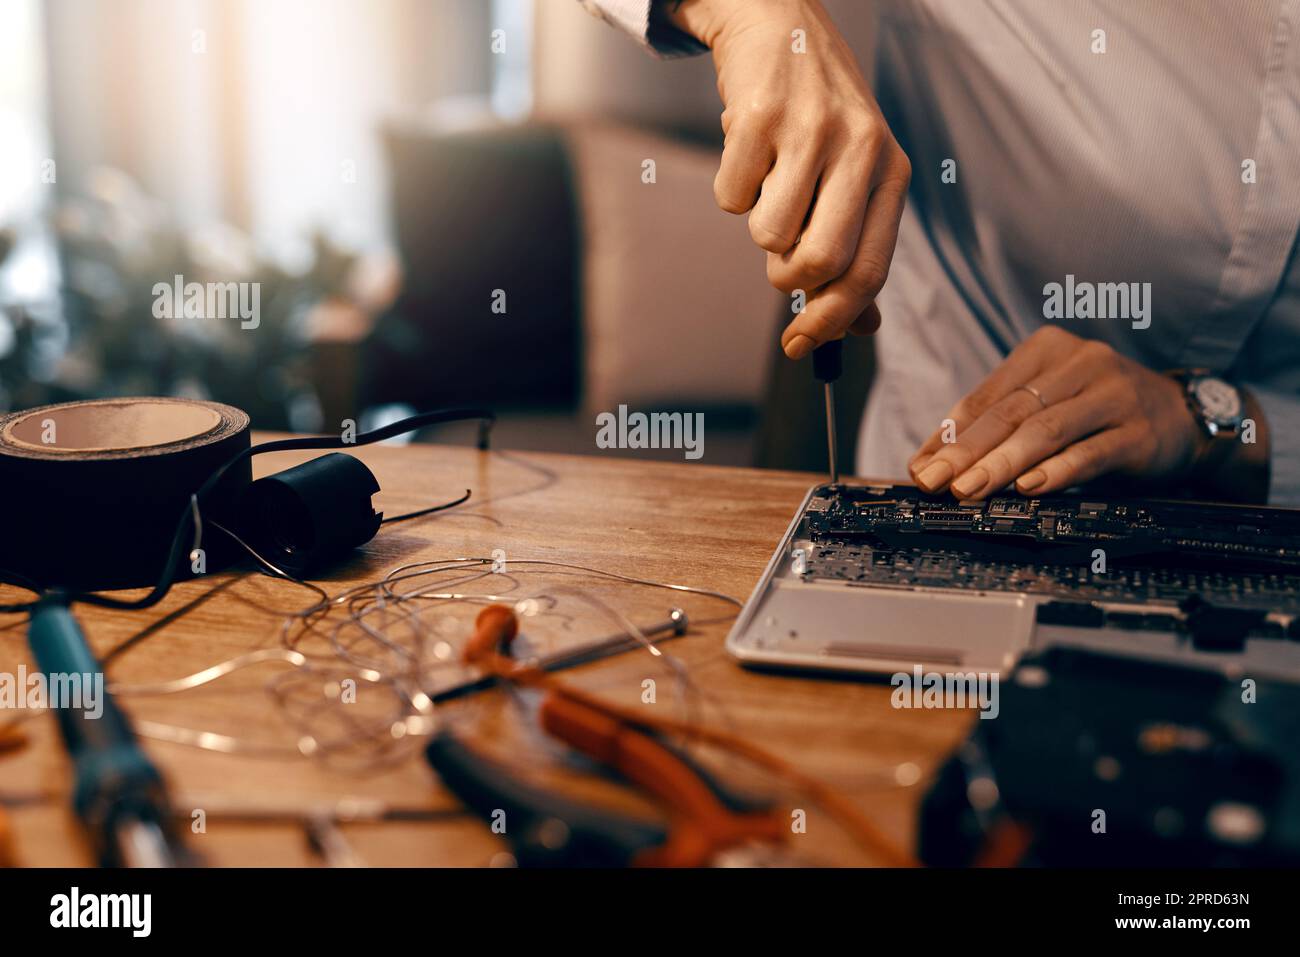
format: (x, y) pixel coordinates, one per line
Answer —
(1220, 401)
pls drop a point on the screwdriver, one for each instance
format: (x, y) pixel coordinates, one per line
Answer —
(828, 363)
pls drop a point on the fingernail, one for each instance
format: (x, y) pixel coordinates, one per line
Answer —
(1031, 480)
(934, 476)
(799, 346)
(970, 483)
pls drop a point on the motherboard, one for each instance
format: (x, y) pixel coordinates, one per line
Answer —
(1121, 551)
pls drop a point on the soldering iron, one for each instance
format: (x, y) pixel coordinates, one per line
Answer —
(118, 793)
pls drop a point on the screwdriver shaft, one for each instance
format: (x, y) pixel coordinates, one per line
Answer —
(830, 434)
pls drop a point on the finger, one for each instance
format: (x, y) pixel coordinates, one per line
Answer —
(998, 422)
(931, 445)
(834, 308)
(1085, 362)
(1043, 350)
(1025, 362)
(746, 160)
(977, 440)
(868, 323)
(1039, 437)
(834, 228)
(1078, 463)
(784, 201)
(917, 463)
(968, 411)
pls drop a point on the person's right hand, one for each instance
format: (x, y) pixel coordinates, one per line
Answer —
(808, 155)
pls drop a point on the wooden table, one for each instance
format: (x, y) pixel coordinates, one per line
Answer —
(685, 523)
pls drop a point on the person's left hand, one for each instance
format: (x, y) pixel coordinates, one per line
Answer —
(1100, 412)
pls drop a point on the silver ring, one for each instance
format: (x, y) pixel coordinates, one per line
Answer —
(1035, 393)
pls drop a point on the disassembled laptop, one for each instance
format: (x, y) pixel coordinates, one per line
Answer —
(879, 579)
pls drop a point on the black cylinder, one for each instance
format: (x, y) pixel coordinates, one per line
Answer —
(312, 514)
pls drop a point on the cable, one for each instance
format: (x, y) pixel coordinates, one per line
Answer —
(405, 668)
(393, 733)
(192, 514)
(367, 742)
(427, 511)
(498, 625)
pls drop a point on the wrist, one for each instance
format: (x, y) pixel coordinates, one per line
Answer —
(1243, 472)
(1233, 466)
(711, 21)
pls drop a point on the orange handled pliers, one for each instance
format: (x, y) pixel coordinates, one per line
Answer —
(704, 817)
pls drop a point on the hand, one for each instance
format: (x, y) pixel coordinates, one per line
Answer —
(1104, 413)
(808, 155)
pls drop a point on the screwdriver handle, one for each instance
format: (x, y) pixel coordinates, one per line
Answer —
(828, 361)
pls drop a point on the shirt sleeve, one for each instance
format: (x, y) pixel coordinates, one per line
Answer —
(1282, 411)
(634, 17)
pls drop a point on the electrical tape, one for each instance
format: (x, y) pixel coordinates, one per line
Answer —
(92, 491)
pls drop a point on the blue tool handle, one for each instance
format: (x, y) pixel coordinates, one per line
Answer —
(61, 652)
(116, 784)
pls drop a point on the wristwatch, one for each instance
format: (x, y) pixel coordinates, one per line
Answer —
(1219, 407)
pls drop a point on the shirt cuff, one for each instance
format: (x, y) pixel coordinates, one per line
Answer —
(634, 18)
(1282, 411)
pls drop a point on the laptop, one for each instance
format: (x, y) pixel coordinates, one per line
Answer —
(879, 579)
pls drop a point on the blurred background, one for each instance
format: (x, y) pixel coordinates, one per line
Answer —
(443, 202)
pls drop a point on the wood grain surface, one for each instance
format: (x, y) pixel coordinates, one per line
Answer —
(683, 523)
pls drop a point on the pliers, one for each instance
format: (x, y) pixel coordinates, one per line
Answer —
(703, 818)
(547, 829)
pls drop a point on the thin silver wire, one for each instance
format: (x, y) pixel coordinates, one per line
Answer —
(367, 742)
(402, 669)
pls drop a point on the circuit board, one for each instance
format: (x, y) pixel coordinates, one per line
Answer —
(1134, 551)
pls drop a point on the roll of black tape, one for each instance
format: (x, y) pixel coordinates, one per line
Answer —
(92, 491)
